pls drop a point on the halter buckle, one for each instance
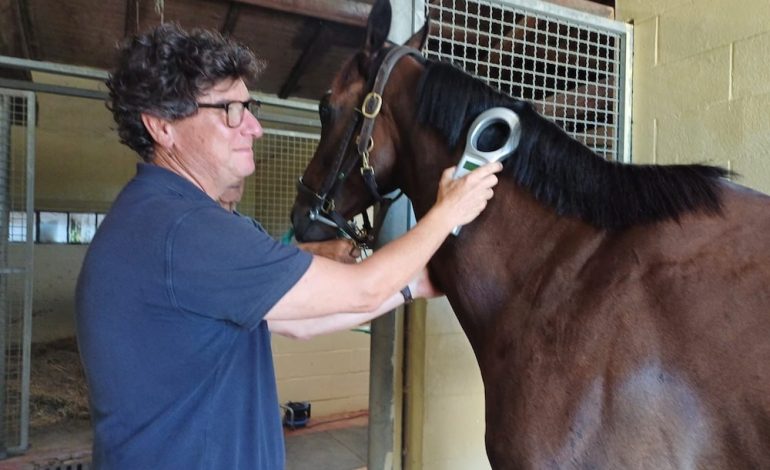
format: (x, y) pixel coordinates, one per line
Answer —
(369, 144)
(377, 104)
(365, 166)
(327, 206)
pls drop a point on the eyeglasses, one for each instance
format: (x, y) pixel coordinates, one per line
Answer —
(234, 110)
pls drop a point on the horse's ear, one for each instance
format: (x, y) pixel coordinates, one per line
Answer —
(419, 38)
(378, 27)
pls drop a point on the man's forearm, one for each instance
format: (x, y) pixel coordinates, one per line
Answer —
(307, 328)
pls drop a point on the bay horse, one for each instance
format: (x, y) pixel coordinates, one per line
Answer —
(619, 314)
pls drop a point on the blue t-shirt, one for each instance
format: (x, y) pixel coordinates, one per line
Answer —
(170, 304)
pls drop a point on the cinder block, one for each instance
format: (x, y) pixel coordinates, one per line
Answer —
(643, 140)
(453, 428)
(324, 387)
(645, 44)
(710, 135)
(440, 318)
(330, 342)
(450, 366)
(753, 172)
(703, 25)
(751, 160)
(639, 10)
(751, 69)
(321, 363)
(683, 86)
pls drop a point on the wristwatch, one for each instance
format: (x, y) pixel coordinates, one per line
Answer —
(407, 293)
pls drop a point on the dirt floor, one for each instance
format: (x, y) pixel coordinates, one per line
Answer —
(58, 393)
(59, 419)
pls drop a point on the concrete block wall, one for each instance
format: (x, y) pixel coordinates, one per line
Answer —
(447, 406)
(701, 84)
(330, 371)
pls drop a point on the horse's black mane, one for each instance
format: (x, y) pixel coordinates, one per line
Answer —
(561, 172)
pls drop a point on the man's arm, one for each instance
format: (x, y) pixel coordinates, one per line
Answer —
(307, 328)
(328, 287)
(421, 287)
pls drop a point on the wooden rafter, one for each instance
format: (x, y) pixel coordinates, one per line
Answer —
(310, 54)
(339, 11)
(132, 18)
(28, 45)
(16, 38)
(233, 12)
(587, 6)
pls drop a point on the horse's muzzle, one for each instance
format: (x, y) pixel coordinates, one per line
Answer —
(306, 229)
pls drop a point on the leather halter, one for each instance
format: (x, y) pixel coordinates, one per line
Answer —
(322, 208)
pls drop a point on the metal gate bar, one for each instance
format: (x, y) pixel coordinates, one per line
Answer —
(571, 65)
(280, 158)
(17, 162)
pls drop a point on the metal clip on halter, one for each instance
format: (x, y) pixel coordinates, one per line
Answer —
(473, 157)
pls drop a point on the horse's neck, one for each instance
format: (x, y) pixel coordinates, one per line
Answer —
(500, 261)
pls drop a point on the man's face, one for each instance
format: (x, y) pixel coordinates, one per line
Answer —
(209, 147)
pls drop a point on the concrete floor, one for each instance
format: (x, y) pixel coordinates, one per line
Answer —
(335, 444)
(335, 449)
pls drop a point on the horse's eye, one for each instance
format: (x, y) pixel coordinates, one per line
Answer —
(324, 109)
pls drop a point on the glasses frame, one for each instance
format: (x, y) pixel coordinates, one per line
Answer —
(250, 105)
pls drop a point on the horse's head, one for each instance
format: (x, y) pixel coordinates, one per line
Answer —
(353, 165)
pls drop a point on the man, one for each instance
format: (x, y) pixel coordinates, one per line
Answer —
(176, 294)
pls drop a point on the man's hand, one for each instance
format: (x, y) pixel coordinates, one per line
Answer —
(340, 249)
(422, 287)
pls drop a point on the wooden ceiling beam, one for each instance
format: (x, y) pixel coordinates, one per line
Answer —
(347, 12)
(311, 53)
(28, 44)
(233, 13)
(130, 25)
(587, 6)
(8, 27)
(16, 38)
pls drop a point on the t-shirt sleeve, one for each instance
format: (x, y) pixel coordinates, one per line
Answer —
(220, 265)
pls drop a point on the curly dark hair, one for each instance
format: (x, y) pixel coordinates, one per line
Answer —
(164, 71)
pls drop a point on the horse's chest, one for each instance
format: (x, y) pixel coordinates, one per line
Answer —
(649, 417)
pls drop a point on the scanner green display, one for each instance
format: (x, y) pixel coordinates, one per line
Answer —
(470, 166)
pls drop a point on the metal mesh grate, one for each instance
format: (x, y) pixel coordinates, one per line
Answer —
(572, 71)
(15, 266)
(281, 158)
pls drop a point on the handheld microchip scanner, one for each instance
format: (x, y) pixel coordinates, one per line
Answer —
(474, 157)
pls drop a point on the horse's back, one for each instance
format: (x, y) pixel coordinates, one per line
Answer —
(660, 357)
(704, 285)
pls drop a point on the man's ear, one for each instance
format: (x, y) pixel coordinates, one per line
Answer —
(160, 130)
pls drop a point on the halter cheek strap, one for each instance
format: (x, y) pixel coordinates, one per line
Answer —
(372, 104)
(323, 208)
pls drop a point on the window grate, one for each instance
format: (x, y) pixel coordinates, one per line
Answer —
(572, 71)
(16, 184)
(281, 158)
